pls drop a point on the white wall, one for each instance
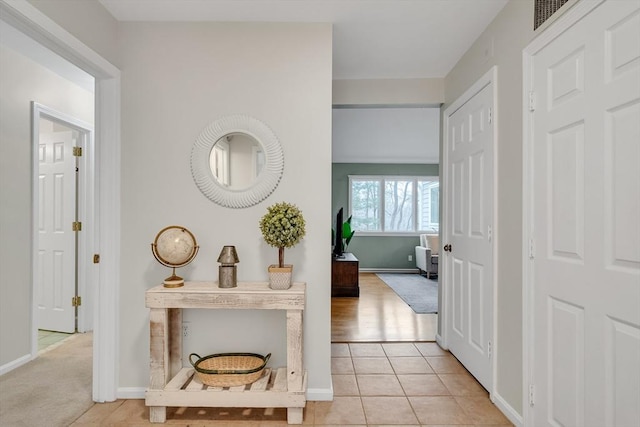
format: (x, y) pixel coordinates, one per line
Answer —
(88, 21)
(23, 81)
(382, 92)
(506, 36)
(176, 79)
(386, 135)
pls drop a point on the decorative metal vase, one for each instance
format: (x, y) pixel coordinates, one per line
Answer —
(227, 271)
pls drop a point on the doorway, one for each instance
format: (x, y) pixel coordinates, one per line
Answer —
(61, 202)
(469, 229)
(105, 187)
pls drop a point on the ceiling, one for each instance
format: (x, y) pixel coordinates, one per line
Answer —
(371, 38)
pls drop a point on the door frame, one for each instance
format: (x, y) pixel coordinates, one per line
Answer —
(490, 77)
(573, 15)
(106, 275)
(85, 204)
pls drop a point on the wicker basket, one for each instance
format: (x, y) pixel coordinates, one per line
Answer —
(229, 369)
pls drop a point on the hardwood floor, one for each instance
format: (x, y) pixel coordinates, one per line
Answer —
(378, 315)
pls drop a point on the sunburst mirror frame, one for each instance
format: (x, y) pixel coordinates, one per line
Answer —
(267, 180)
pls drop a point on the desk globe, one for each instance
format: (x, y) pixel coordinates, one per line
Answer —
(174, 247)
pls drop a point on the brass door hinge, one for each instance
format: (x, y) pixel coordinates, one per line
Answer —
(76, 301)
(76, 226)
(96, 258)
(77, 151)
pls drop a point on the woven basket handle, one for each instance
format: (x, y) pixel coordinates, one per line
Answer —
(191, 359)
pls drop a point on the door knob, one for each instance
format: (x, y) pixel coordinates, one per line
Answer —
(447, 247)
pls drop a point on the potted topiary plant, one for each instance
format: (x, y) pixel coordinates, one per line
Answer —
(282, 227)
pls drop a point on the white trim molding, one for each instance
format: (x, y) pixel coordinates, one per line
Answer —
(565, 21)
(507, 410)
(7, 367)
(389, 270)
(32, 22)
(320, 394)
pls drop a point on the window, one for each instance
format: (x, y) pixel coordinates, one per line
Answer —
(390, 204)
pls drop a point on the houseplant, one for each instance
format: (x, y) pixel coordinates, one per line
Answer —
(282, 227)
(341, 239)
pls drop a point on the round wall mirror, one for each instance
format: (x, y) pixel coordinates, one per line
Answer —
(237, 161)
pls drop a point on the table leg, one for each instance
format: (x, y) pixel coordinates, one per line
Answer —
(294, 350)
(294, 415)
(159, 358)
(157, 414)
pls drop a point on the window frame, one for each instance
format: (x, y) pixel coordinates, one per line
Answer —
(381, 206)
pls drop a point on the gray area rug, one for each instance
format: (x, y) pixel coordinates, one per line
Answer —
(420, 293)
(52, 390)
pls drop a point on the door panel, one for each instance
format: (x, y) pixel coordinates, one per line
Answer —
(565, 202)
(470, 205)
(566, 358)
(457, 300)
(57, 248)
(585, 210)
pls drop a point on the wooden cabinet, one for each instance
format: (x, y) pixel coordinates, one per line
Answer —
(344, 276)
(174, 385)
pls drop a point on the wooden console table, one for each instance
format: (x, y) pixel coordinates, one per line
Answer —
(344, 276)
(174, 385)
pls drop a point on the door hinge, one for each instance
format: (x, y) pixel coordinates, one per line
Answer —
(77, 151)
(532, 249)
(532, 101)
(76, 226)
(532, 394)
(76, 301)
(490, 114)
(489, 350)
(96, 258)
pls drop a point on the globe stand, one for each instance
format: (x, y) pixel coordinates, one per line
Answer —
(173, 281)
(173, 247)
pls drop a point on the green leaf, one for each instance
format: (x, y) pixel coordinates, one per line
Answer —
(347, 233)
(346, 229)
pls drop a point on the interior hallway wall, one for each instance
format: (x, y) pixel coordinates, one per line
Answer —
(501, 44)
(87, 20)
(176, 79)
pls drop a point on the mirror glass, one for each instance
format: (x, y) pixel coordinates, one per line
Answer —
(236, 160)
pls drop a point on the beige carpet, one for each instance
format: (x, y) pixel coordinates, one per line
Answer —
(52, 390)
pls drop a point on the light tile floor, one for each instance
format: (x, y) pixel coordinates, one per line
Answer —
(374, 384)
(404, 384)
(48, 338)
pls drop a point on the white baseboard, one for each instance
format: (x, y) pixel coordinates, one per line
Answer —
(440, 342)
(7, 367)
(507, 410)
(131, 392)
(320, 394)
(389, 270)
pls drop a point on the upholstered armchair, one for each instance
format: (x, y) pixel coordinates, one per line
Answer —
(427, 254)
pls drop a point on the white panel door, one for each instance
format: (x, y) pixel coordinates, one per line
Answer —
(586, 222)
(55, 281)
(469, 262)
